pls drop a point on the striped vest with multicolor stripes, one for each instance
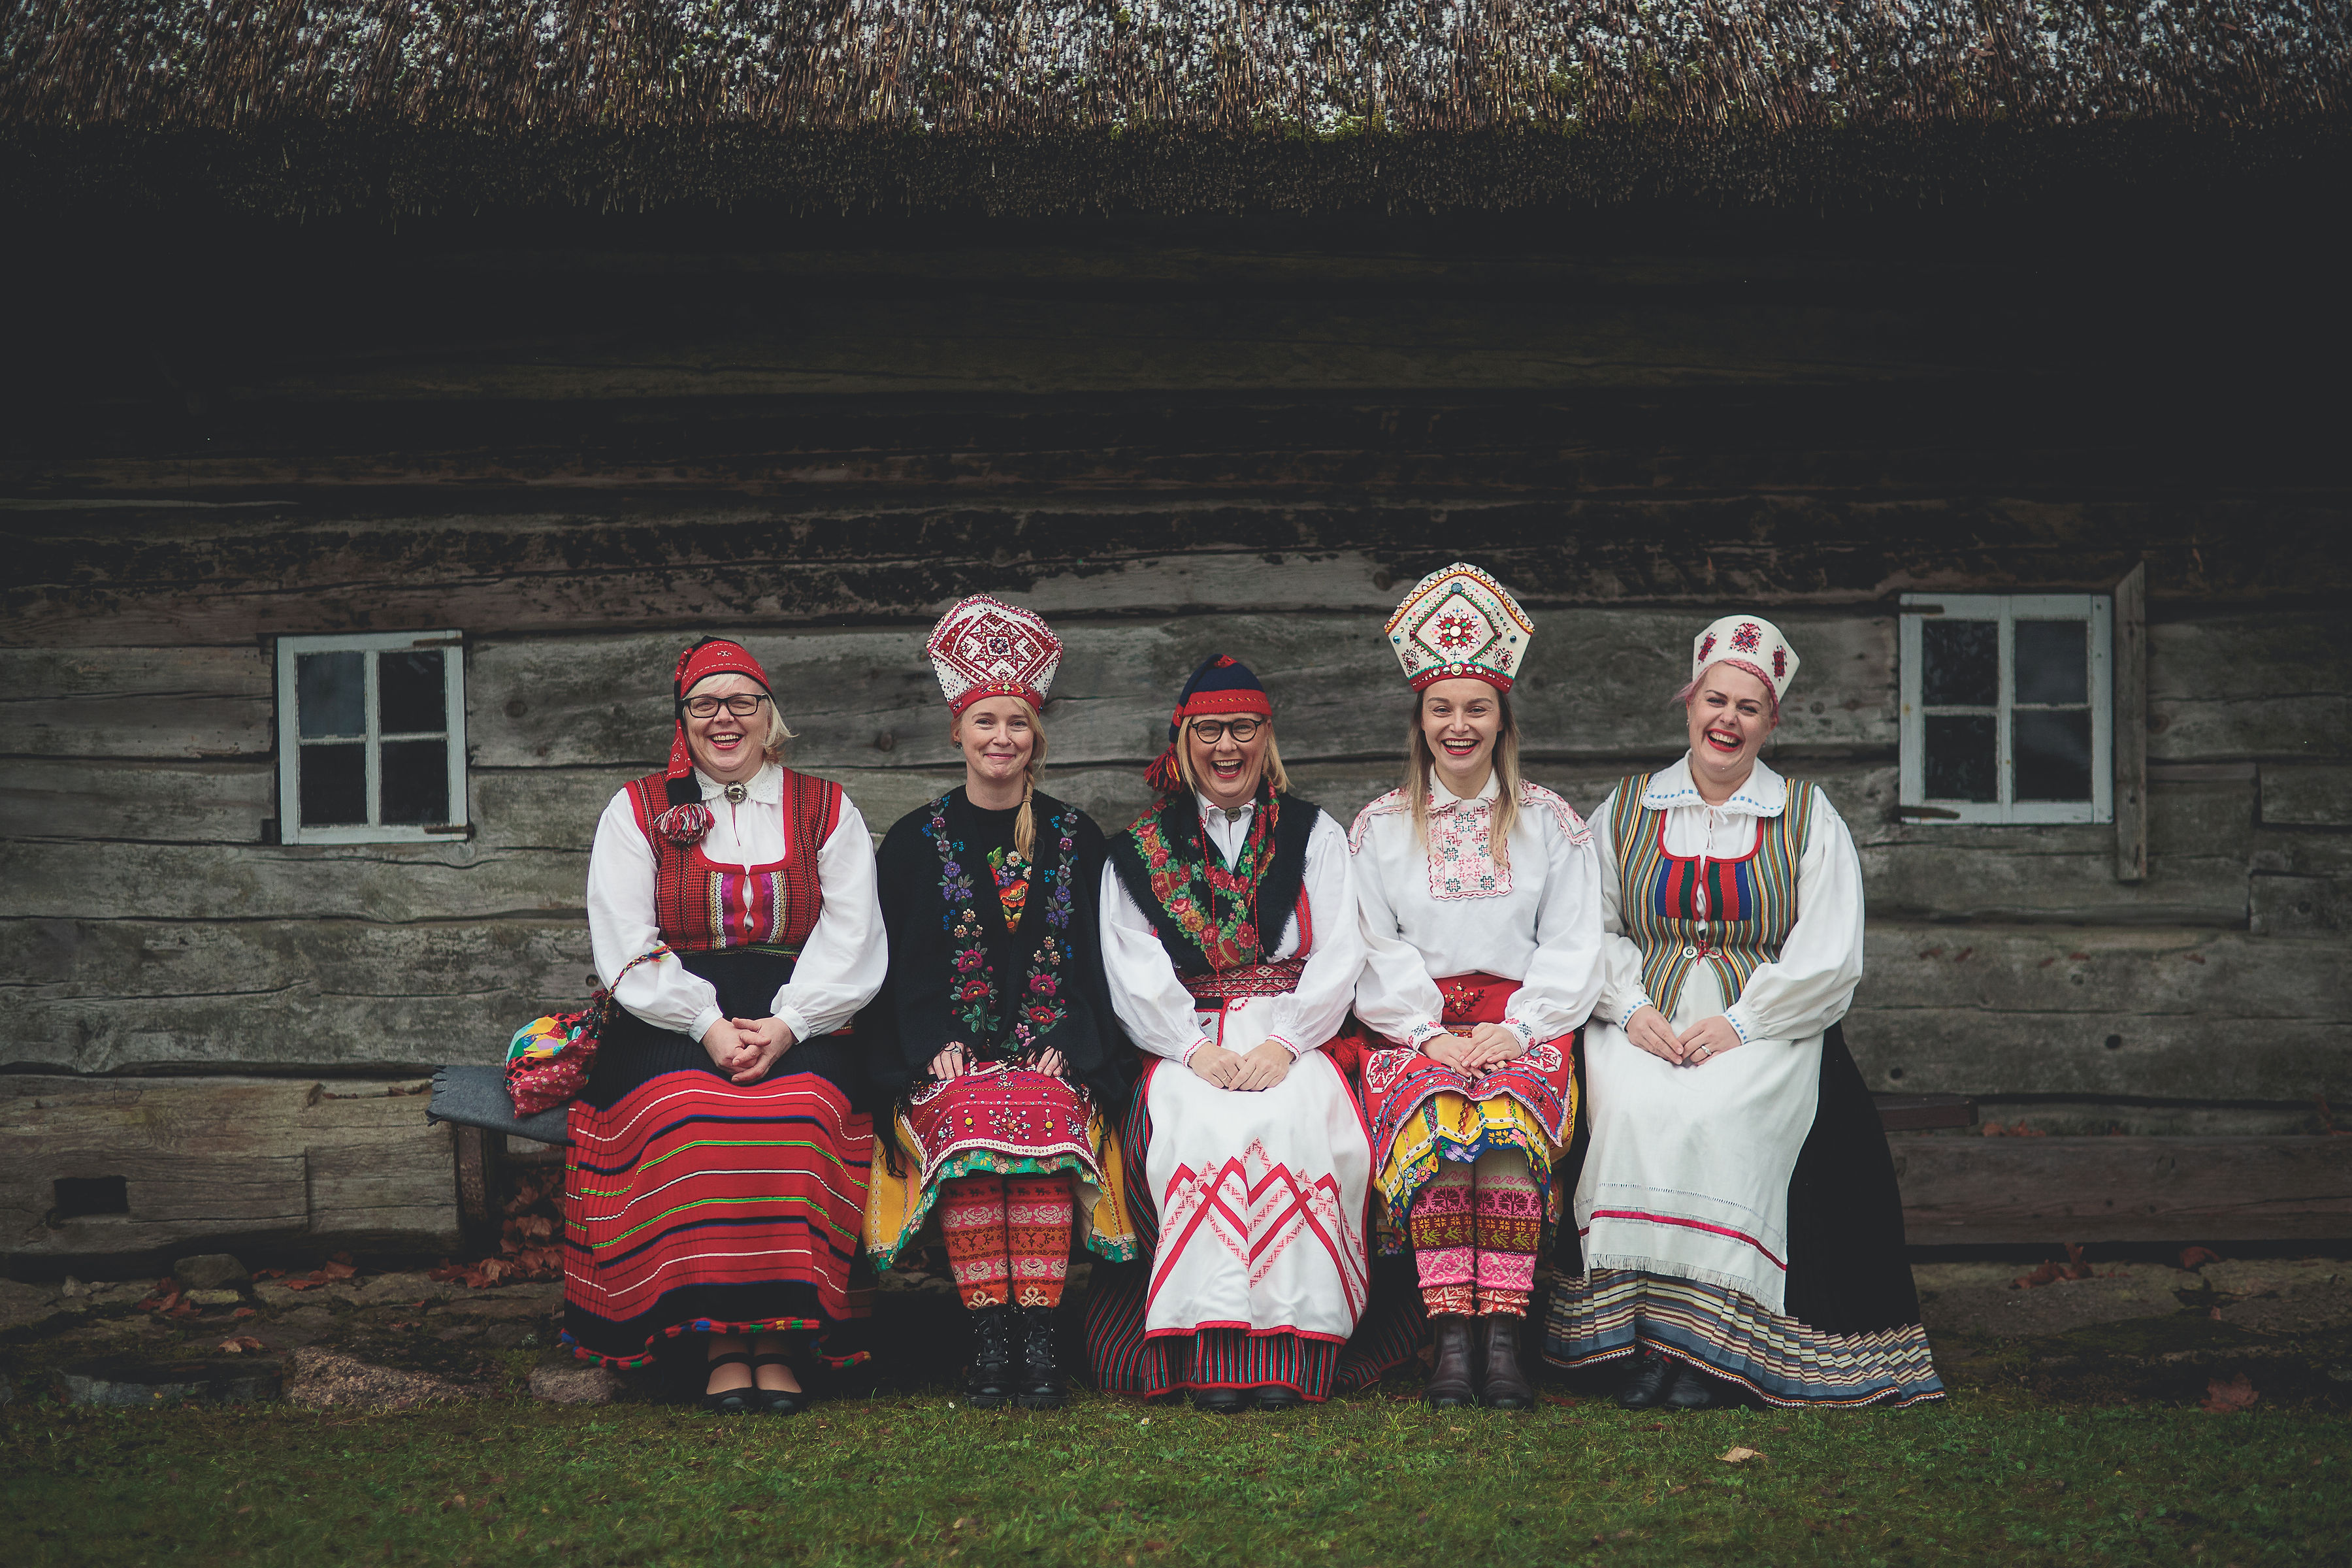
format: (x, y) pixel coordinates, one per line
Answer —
(1732, 915)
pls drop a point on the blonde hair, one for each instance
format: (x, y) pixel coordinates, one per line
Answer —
(1024, 824)
(1420, 762)
(1272, 772)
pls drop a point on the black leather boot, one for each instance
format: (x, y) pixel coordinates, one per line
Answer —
(988, 1384)
(1506, 1385)
(1449, 1387)
(1038, 1377)
(1653, 1373)
(1695, 1390)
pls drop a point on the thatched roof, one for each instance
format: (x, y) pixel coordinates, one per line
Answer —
(1176, 103)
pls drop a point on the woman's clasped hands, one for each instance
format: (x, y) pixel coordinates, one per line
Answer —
(745, 1048)
(1261, 1066)
(1695, 1047)
(1486, 1048)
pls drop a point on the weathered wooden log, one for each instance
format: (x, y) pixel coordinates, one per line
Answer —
(2306, 797)
(1974, 1191)
(191, 703)
(284, 1162)
(155, 802)
(2179, 1015)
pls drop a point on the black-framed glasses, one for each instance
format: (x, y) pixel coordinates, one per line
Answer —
(743, 704)
(1213, 730)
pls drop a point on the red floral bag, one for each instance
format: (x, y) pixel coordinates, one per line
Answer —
(549, 1059)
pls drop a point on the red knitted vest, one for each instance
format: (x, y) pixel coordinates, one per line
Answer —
(701, 906)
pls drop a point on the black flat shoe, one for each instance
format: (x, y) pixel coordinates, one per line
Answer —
(1274, 1396)
(1695, 1390)
(1037, 1377)
(1653, 1372)
(1449, 1380)
(732, 1401)
(1506, 1386)
(777, 1400)
(1220, 1400)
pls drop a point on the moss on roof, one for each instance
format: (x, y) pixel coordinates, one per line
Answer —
(1166, 104)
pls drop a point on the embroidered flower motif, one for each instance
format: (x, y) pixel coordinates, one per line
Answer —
(1460, 864)
(1748, 637)
(976, 995)
(1705, 647)
(1780, 663)
(1211, 903)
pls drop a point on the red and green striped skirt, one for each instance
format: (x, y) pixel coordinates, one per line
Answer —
(694, 1205)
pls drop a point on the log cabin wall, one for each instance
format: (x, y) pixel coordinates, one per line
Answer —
(579, 445)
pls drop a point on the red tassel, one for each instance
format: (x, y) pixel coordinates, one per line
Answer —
(684, 824)
(1162, 774)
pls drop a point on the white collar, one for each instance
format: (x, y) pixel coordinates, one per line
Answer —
(767, 784)
(1236, 814)
(1766, 792)
(1444, 799)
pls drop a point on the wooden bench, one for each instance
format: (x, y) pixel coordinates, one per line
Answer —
(1925, 1112)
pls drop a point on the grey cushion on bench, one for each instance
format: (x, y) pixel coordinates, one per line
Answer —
(477, 1097)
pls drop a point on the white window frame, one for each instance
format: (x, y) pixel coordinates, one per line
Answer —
(2098, 610)
(289, 738)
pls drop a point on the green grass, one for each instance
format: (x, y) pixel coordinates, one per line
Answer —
(1372, 1480)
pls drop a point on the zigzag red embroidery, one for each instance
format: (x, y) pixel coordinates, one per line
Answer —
(1266, 1240)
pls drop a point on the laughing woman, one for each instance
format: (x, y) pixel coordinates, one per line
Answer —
(1740, 1220)
(718, 1172)
(1230, 935)
(1480, 897)
(995, 1036)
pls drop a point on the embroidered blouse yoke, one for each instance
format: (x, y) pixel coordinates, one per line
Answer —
(1152, 1002)
(1449, 909)
(841, 963)
(1810, 983)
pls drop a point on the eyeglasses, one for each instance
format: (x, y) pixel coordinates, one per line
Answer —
(742, 705)
(1243, 730)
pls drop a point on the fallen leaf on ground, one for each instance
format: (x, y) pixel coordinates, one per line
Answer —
(2198, 1256)
(338, 1269)
(1739, 1456)
(2238, 1394)
(240, 1345)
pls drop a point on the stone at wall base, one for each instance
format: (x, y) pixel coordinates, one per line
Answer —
(211, 1271)
(129, 1384)
(579, 1382)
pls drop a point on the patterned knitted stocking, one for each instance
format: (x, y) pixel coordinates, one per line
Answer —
(1507, 1215)
(972, 1221)
(1039, 1216)
(1443, 1241)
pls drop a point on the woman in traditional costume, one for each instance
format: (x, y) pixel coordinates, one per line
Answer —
(718, 1169)
(1740, 1223)
(995, 1034)
(1231, 938)
(1480, 898)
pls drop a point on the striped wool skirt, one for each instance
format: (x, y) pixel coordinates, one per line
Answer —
(694, 1205)
(1847, 1329)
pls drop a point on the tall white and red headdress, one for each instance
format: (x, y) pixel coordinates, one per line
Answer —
(1459, 622)
(1750, 643)
(985, 648)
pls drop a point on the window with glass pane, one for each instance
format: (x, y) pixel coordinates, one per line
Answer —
(371, 737)
(2006, 707)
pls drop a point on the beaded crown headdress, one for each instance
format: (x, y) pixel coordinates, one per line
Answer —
(986, 647)
(1458, 622)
